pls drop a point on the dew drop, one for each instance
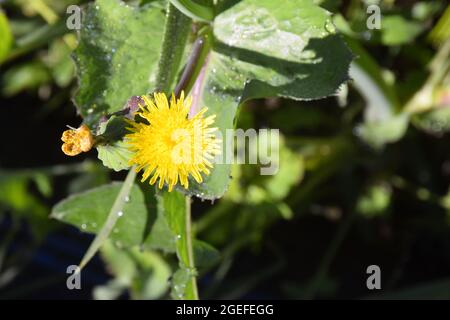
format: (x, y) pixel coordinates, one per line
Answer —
(83, 226)
(127, 199)
(120, 213)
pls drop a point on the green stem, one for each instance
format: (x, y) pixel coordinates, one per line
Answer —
(191, 262)
(176, 32)
(196, 61)
(114, 214)
(177, 29)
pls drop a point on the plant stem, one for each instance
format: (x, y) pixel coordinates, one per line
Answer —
(176, 32)
(177, 29)
(191, 261)
(113, 215)
(195, 63)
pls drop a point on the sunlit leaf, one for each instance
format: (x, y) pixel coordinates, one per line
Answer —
(113, 151)
(263, 49)
(5, 35)
(117, 56)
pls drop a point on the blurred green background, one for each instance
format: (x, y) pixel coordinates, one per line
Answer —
(364, 176)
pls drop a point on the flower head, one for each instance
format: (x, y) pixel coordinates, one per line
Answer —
(77, 141)
(170, 146)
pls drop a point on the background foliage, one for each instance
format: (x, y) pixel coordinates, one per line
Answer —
(363, 179)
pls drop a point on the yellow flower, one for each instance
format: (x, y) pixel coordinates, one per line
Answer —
(77, 141)
(169, 145)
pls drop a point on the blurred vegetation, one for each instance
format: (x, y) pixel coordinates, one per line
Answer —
(364, 176)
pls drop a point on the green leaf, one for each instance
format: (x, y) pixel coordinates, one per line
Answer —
(6, 36)
(114, 152)
(59, 62)
(290, 50)
(290, 172)
(29, 75)
(161, 236)
(396, 30)
(152, 281)
(435, 121)
(89, 210)
(117, 56)
(43, 184)
(375, 201)
(180, 280)
(115, 156)
(119, 262)
(389, 130)
(15, 196)
(174, 206)
(194, 10)
(441, 30)
(264, 49)
(382, 122)
(142, 223)
(145, 273)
